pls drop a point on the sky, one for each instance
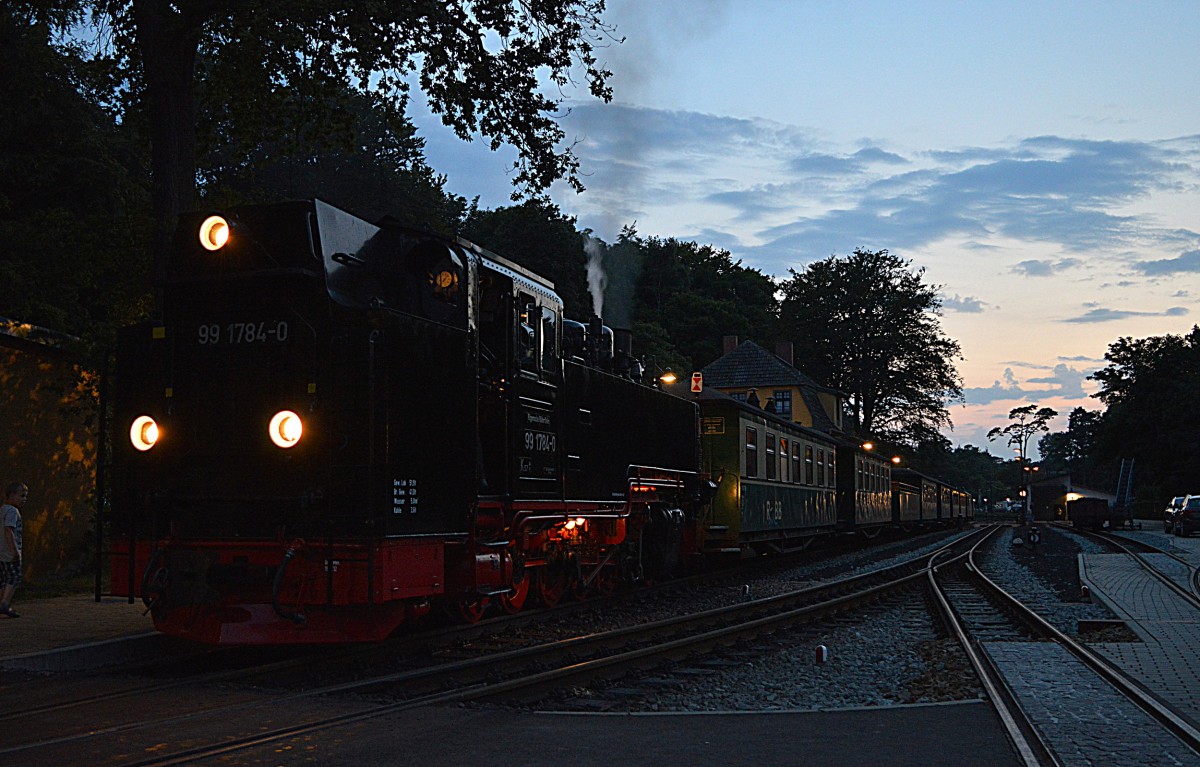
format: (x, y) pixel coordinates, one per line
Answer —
(1039, 160)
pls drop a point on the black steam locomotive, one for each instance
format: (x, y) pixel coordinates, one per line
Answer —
(335, 426)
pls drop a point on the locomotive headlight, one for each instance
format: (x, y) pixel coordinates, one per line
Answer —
(214, 233)
(286, 428)
(143, 433)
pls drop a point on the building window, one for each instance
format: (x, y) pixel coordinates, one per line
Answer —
(740, 396)
(772, 461)
(751, 452)
(783, 403)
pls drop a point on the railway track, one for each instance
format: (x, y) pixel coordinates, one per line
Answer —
(253, 719)
(962, 590)
(1189, 589)
(308, 668)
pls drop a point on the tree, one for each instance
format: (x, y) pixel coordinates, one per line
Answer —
(868, 325)
(383, 174)
(1026, 421)
(699, 293)
(480, 63)
(72, 196)
(538, 236)
(1151, 388)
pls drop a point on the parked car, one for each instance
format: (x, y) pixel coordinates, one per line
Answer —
(1187, 518)
(1169, 515)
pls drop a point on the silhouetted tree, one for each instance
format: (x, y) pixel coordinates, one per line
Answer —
(480, 64)
(868, 325)
(1151, 387)
(72, 197)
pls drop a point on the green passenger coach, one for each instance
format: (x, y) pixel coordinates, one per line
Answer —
(775, 479)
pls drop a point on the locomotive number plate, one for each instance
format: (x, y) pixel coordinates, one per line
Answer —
(540, 442)
(268, 331)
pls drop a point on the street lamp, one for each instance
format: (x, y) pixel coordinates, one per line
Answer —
(1027, 493)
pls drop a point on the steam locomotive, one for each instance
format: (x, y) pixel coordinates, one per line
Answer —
(333, 427)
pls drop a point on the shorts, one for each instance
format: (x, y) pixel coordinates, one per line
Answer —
(10, 574)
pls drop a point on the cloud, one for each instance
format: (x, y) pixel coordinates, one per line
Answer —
(1189, 262)
(1008, 389)
(1036, 268)
(1100, 314)
(1067, 381)
(808, 199)
(964, 304)
(1063, 381)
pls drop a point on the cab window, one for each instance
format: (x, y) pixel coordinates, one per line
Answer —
(527, 333)
(550, 361)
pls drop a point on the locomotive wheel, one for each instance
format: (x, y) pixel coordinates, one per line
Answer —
(513, 601)
(550, 585)
(473, 611)
(580, 592)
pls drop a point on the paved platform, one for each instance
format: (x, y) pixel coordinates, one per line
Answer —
(64, 622)
(946, 735)
(1167, 660)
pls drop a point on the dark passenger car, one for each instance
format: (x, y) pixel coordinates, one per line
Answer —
(1187, 518)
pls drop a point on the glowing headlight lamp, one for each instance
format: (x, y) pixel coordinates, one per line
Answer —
(285, 429)
(143, 433)
(214, 233)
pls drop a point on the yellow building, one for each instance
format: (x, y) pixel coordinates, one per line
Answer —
(747, 372)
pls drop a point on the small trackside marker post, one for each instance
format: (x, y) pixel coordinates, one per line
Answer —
(822, 654)
(1085, 592)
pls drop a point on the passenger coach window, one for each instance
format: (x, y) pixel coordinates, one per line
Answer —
(783, 460)
(751, 452)
(772, 461)
(821, 468)
(797, 477)
(809, 477)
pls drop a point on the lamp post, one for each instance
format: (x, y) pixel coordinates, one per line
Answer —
(1029, 472)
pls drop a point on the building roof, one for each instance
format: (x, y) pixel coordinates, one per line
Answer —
(750, 366)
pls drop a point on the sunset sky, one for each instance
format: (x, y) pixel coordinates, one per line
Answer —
(1041, 161)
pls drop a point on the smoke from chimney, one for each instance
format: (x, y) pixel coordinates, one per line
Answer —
(597, 280)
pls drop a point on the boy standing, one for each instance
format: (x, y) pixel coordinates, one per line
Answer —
(15, 496)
